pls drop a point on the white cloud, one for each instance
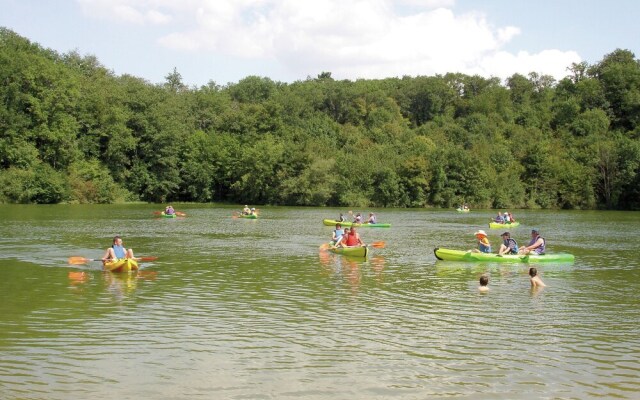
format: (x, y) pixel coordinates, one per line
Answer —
(351, 38)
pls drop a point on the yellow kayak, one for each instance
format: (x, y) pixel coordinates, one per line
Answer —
(121, 265)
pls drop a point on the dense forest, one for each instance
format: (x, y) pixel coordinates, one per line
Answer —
(72, 131)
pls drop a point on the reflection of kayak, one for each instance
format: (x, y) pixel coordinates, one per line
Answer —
(163, 215)
(121, 265)
(461, 255)
(496, 225)
(356, 251)
(333, 222)
(462, 210)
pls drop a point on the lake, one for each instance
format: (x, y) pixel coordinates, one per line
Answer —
(251, 309)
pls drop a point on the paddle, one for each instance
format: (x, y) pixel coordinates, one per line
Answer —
(81, 260)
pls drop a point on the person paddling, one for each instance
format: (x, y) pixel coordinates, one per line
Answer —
(117, 251)
(353, 239)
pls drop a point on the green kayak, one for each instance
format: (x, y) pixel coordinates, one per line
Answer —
(332, 222)
(249, 216)
(497, 225)
(461, 255)
(163, 215)
(355, 251)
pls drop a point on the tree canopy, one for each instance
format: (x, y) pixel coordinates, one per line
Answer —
(73, 131)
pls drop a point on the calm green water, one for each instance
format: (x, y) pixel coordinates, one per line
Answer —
(250, 309)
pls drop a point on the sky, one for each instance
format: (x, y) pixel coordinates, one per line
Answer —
(224, 41)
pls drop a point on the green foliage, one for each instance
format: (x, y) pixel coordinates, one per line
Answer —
(70, 130)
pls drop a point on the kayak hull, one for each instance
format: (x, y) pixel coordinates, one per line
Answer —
(461, 255)
(333, 222)
(248, 216)
(163, 215)
(121, 265)
(496, 225)
(463, 210)
(356, 251)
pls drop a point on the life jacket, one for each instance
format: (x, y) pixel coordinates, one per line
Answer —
(484, 245)
(352, 240)
(119, 251)
(512, 245)
(538, 250)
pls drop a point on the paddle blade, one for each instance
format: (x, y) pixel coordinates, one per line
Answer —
(78, 260)
(181, 214)
(325, 246)
(378, 245)
(147, 258)
(157, 212)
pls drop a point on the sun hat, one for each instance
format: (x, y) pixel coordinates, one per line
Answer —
(480, 232)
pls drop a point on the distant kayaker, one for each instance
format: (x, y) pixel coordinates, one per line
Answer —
(169, 210)
(499, 218)
(372, 218)
(484, 282)
(506, 218)
(246, 210)
(342, 218)
(534, 278)
(253, 211)
(483, 242)
(357, 219)
(536, 245)
(117, 251)
(509, 245)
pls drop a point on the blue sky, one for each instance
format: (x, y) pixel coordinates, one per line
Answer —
(288, 40)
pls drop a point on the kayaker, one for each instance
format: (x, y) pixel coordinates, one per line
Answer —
(372, 218)
(506, 218)
(534, 278)
(343, 239)
(484, 282)
(342, 218)
(536, 245)
(483, 242)
(253, 211)
(117, 251)
(511, 218)
(499, 219)
(357, 219)
(337, 234)
(353, 239)
(169, 210)
(246, 210)
(509, 245)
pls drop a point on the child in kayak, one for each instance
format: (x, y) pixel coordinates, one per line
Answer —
(483, 242)
(117, 251)
(337, 235)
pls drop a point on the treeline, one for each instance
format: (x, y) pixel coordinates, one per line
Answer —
(72, 131)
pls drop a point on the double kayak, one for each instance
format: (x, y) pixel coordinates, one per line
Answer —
(121, 265)
(355, 251)
(333, 222)
(163, 215)
(249, 216)
(462, 255)
(462, 210)
(497, 225)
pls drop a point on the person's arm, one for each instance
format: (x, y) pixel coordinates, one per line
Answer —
(537, 244)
